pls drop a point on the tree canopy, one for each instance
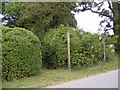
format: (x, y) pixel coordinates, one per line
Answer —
(111, 14)
(39, 17)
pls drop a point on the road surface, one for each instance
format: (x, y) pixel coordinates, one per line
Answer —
(104, 80)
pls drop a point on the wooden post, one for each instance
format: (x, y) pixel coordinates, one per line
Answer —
(104, 51)
(68, 39)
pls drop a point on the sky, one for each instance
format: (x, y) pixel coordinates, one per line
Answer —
(87, 21)
(90, 21)
(0, 18)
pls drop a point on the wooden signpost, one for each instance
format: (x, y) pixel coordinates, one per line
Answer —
(68, 39)
(103, 39)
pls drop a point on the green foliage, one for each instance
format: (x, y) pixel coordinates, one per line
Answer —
(12, 12)
(116, 9)
(111, 14)
(60, 75)
(117, 48)
(90, 42)
(21, 56)
(111, 40)
(0, 52)
(55, 49)
(97, 47)
(111, 56)
(39, 16)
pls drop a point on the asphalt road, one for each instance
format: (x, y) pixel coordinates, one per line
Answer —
(104, 80)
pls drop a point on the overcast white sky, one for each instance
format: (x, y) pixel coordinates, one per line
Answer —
(90, 21)
(87, 20)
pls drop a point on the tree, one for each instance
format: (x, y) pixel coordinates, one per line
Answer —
(12, 13)
(99, 9)
(112, 14)
(116, 11)
(39, 17)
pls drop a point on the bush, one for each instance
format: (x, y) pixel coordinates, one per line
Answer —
(0, 52)
(91, 42)
(21, 56)
(55, 49)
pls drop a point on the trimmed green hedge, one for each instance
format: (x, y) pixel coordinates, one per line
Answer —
(21, 56)
(55, 49)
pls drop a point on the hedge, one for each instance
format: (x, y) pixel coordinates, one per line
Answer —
(55, 49)
(0, 52)
(21, 53)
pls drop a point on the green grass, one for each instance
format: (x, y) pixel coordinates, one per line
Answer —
(56, 76)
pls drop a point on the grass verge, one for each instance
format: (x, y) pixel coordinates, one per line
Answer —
(52, 77)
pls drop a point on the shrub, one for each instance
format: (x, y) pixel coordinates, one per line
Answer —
(55, 49)
(91, 42)
(21, 56)
(0, 52)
